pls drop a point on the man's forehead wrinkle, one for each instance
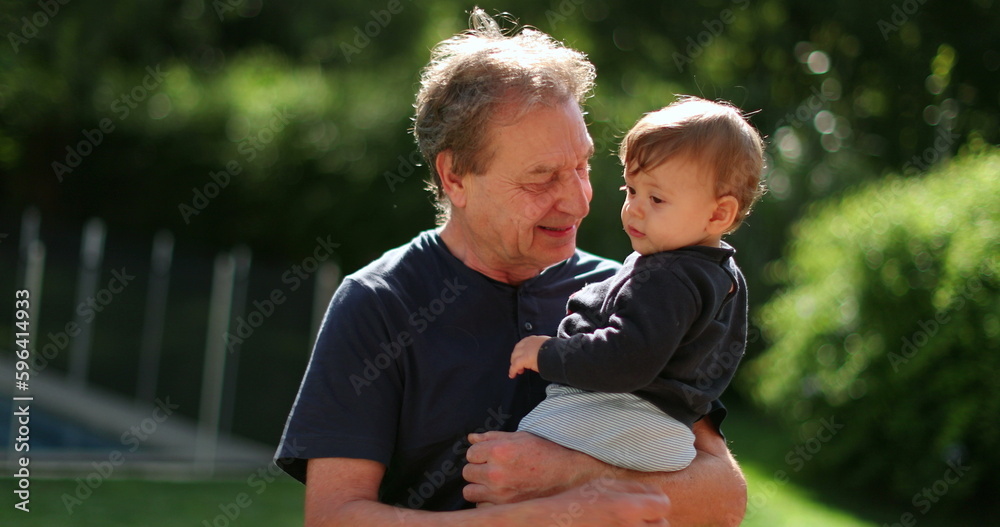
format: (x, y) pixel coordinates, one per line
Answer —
(547, 166)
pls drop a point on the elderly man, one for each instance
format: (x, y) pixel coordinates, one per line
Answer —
(410, 366)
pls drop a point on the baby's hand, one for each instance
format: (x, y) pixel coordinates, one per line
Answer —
(525, 356)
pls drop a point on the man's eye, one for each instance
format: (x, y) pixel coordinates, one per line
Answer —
(541, 183)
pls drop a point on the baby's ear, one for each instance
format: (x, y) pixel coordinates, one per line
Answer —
(726, 209)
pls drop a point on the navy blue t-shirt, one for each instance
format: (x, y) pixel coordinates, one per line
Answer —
(413, 356)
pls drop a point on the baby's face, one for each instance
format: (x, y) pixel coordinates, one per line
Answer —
(669, 207)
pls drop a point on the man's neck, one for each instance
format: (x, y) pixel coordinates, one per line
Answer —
(464, 247)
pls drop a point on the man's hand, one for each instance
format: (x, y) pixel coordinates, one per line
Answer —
(525, 355)
(507, 467)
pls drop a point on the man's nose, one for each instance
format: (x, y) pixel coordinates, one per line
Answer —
(574, 195)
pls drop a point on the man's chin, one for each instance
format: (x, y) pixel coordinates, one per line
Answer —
(556, 253)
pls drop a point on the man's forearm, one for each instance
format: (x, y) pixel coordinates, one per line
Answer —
(710, 492)
(624, 504)
(344, 492)
(365, 513)
(513, 467)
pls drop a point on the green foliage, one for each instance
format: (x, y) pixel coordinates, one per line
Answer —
(346, 73)
(890, 324)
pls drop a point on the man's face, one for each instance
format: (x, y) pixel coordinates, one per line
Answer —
(523, 213)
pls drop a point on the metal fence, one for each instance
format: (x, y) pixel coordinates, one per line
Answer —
(122, 330)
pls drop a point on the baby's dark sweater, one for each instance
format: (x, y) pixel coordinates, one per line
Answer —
(669, 327)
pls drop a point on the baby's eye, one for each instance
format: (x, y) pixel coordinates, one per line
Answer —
(628, 189)
(656, 199)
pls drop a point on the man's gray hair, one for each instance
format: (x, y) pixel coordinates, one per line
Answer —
(471, 75)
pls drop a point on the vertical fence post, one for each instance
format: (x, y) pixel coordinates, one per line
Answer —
(34, 274)
(30, 226)
(30, 272)
(156, 309)
(220, 307)
(31, 262)
(91, 256)
(242, 257)
(326, 283)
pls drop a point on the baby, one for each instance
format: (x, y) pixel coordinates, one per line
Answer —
(643, 355)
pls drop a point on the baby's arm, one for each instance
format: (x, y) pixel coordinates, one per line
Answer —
(525, 356)
(645, 323)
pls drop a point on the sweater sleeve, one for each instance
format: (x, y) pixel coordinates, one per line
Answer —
(650, 314)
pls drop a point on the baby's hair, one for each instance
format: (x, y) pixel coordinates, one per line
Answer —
(715, 134)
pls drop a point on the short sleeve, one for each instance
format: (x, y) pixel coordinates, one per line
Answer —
(347, 406)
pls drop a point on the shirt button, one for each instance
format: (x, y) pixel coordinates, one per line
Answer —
(528, 326)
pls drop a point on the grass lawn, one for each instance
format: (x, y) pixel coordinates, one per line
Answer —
(779, 498)
(129, 503)
(775, 501)
(776, 504)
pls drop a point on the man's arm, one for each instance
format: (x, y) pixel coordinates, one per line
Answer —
(510, 467)
(344, 492)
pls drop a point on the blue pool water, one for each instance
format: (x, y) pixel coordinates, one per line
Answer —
(49, 432)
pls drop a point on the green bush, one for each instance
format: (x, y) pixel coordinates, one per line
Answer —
(889, 325)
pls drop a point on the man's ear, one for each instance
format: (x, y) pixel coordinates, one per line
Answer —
(452, 184)
(726, 209)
